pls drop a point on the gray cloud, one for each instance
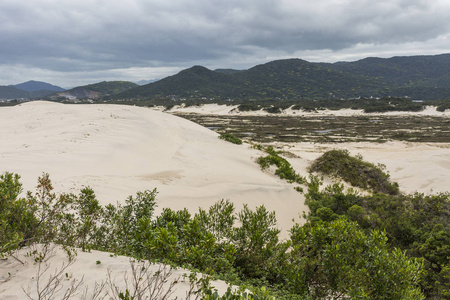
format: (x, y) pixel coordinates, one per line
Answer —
(74, 37)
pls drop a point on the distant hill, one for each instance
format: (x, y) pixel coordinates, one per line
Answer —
(299, 79)
(419, 77)
(29, 90)
(34, 86)
(97, 90)
(9, 92)
(195, 81)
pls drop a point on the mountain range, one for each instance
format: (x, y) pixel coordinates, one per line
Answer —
(417, 77)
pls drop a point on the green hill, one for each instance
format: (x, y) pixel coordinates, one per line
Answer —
(299, 79)
(402, 71)
(419, 77)
(196, 81)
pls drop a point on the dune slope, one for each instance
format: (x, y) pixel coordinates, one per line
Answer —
(119, 150)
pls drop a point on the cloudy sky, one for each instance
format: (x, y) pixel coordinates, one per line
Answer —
(76, 42)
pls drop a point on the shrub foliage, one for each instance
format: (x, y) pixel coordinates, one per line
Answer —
(417, 224)
(231, 138)
(355, 171)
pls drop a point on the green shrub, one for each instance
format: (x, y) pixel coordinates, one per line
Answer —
(231, 138)
(255, 241)
(249, 107)
(337, 258)
(284, 169)
(355, 171)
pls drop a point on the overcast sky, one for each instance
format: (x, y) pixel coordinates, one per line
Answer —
(76, 42)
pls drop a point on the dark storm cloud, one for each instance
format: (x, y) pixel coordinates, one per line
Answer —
(94, 36)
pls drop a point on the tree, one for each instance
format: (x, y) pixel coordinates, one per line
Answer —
(337, 259)
(255, 240)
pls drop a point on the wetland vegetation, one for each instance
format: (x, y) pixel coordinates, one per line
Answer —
(323, 129)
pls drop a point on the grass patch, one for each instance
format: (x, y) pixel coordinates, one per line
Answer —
(231, 138)
(284, 169)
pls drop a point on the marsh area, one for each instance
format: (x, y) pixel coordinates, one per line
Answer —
(326, 129)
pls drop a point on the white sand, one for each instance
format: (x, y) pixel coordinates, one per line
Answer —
(417, 167)
(91, 268)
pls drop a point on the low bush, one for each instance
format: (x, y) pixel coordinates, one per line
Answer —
(355, 171)
(231, 138)
(284, 169)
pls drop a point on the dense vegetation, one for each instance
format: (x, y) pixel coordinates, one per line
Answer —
(335, 258)
(110, 87)
(417, 224)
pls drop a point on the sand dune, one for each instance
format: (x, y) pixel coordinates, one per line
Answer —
(119, 150)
